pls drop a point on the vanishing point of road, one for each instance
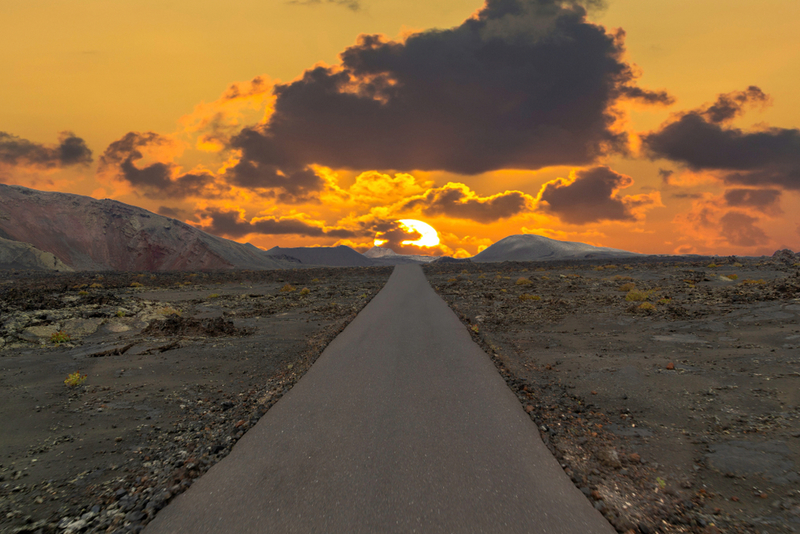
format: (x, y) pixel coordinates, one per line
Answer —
(403, 424)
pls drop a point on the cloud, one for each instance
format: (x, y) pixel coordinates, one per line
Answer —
(763, 200)
(71, 150)
(522, 84)
(460, 202)
(740, 229)
(591, 195)
(710, 224)
(293, 185)
(703, 139)
(156, 180)
(232, 224)
(354, 5)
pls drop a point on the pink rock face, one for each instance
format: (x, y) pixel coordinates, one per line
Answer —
(89, 234)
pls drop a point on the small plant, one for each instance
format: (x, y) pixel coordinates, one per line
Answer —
(661, 482)
(96, 286)
(749, 282)
(288, 288)
(59, 337)
(646, 306)
(732, 276)
(665, 300)
(712, 265)
(452, 280)
(120, 313)
(169, 310)
(528, 296)
(636, 296)
(305, 291)
(465, 271)
(75, 379)
(136, 284)
(522, 281)
(474, 328)
(315, 281)
(83, 293)
(627, 287)
(481, 276)
(213, 296)
(621, 278)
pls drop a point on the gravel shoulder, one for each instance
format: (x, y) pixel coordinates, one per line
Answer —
(669, 392)
(177, 367)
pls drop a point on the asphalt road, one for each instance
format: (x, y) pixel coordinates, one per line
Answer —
(402, 425)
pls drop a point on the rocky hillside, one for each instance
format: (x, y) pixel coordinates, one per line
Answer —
(92, 235)
(26, 257)
(340, 256)
(529, 247)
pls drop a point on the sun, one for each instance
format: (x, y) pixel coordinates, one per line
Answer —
(430, 237)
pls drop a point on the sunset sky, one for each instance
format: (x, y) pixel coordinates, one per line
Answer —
(657, 126)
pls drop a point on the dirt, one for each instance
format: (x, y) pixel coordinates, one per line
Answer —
(682, 415)
(172, 369)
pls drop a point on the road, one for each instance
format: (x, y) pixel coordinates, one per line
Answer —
(402, 425)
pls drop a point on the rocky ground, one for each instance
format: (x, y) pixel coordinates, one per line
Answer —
(172, 369)
(669, 391)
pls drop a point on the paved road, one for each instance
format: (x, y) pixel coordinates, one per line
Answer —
(402, 425)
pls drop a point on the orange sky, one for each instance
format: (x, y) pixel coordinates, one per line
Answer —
(532, 117)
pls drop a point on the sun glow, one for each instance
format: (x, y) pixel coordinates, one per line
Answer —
(429, 235)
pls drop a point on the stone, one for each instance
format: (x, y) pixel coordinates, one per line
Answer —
(609, 457)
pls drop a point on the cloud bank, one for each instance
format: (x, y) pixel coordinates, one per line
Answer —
(18, 152)
(523, 84)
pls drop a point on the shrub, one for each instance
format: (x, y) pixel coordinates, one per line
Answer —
(712, 265)
(305, 291)
(452, 280)
(522, 281)
(315, 281)
(83, 293)
(732, 276)
(136, 284)
(288, 288)
(627, 287)
(75, 379)
(636, 296)
(528, 296)
(749, 282)
(620, 278)
(646, 306)
(96, 286)
(663, 301)
(169, 310)
(120, 313)
(214, 296)
(59, 337)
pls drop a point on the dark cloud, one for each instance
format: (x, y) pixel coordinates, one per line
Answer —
(591, 197)
(71, 150)
(458, 201)
(231, 224)
(740, 229)
(155, 180)
(702, 140)
(354, 5)
(522, 84)
(665, 175)
(764, 200)
(394, 233)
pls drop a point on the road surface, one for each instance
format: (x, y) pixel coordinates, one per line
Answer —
(402, 425)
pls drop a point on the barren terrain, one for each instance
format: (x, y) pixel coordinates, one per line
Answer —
(177, 367)
(669, 392)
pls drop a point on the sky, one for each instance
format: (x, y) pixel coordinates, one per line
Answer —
(666, 126)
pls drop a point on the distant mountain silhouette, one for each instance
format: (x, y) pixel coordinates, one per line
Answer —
(94, 235)
(340, 256)
(530, 247)
(387, 256)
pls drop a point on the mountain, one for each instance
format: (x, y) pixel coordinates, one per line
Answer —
(387, 256)
(96, 235)
(530, 247)
(340, 256)
(26, 257)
